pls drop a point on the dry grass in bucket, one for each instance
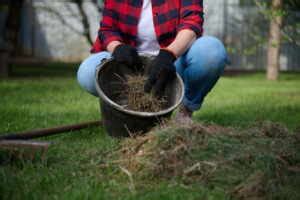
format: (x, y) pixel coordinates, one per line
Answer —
(137, 99)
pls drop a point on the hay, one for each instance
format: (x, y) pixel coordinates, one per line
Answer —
(194, 154)
(164, 152)
(137, 99)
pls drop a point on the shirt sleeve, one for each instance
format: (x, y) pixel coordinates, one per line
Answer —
(191, 16)
(108, 31)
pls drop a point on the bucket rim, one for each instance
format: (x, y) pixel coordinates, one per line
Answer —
(118, 107)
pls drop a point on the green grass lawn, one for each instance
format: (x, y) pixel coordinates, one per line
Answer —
(243, 100)
(71, 170)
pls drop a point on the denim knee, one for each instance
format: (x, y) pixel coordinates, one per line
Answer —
(204, 63)
(209, 54)
(87, 71)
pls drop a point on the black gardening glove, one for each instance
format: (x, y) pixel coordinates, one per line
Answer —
(162, 70)
(127, 55)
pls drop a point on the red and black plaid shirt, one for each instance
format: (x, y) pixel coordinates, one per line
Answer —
(121, 17)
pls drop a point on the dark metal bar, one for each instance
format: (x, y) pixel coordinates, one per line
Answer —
(48, 131)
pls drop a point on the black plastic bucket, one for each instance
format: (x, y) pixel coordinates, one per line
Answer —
(119, 121)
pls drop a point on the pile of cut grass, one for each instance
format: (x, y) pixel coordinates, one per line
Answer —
(261, 162)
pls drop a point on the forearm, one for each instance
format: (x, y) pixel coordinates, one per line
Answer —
(182, 42)
(112, 45)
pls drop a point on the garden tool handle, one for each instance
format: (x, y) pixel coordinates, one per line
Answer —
(48, 131)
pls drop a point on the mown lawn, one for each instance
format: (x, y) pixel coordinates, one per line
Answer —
(71, 169)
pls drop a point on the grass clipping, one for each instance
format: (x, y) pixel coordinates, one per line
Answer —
(247, 163)
(137, 99)
(165, 152)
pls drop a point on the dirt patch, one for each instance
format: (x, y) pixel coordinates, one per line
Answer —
(271, 129)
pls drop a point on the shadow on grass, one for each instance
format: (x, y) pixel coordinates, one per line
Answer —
(53, 69)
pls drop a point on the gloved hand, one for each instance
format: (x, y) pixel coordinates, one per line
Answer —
(126, 54)
(162, 70)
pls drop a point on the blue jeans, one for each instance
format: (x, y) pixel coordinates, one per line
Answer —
(200, 68)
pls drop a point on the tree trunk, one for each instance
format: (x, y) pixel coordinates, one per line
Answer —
(84, 21)
(273, 64)
(11, 32)
(13, 24)
(4, 69)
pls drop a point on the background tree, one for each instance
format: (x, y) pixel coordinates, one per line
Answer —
(276, 12)
(273, 64)
(9, 37)
(81, 14)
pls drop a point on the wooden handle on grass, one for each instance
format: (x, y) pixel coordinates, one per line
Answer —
(25, 135)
